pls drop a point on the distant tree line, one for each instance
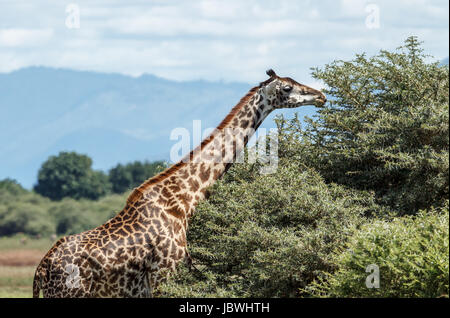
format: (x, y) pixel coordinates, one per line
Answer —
(70, 174)
(27, 212)
(69, 197)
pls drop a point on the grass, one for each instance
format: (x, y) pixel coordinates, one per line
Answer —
(16, 281)
(22, 242)
(19, 256)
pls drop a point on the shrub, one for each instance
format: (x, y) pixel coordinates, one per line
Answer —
(11, 186)
(24, 217)
(32, 214)
(69, 219)
(76, 216)
(384, 129)
(270, 236)
(411, 253)
(378, 150)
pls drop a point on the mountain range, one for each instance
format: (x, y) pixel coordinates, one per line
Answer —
(112, 118)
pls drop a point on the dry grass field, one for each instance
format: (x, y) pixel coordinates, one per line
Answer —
(19, 257)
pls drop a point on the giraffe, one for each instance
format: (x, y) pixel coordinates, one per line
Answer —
(133, 252)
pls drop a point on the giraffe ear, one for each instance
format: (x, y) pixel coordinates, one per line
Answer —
(271, 73)
(271, 87)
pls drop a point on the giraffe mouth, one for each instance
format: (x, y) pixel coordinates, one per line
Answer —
(320, 101)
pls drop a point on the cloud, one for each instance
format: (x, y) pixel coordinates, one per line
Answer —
(220, 9)
(353, 8)
(211, 39)
(24, 37)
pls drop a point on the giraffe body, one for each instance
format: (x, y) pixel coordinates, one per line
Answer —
(132, 253)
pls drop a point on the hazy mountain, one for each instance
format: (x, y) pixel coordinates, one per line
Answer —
(112, 118)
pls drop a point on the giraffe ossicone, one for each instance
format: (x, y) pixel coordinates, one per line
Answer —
(133, 252)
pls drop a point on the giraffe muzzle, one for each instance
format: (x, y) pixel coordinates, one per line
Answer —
(321, 100)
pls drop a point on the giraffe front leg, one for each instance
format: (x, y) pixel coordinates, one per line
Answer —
(148, 287)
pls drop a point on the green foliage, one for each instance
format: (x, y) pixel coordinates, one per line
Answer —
(71, 184)
(69, 219)
(70, 175)
(25, 218)
(27, 215)
(72, 216)
(386, 128)
(33, 214)
(11, 186)
(376, 152)
(270, 236)
(411, 253)
(126, 177)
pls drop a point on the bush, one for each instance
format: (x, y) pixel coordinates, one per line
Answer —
(378, 150)
(32, 214)
(76, 216)
(11, 186)
(24, 217)
(69, 219)
(411, 253)
(384, 129)
(270, 236)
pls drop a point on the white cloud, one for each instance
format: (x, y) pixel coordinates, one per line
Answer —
(16, 37)
(10, 62)
(210, 39)
(316, 85)
(220, 9)
(353, 8)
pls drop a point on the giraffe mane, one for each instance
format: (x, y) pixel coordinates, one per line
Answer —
(139, 191)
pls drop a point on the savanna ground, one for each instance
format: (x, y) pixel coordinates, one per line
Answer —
(19, 256)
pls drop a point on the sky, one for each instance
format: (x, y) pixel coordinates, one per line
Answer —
(231, 40)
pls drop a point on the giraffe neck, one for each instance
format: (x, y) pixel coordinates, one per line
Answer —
(184, 184)
(220, 148)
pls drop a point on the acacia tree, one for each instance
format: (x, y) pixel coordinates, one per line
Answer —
(386, 127)
(71, 175)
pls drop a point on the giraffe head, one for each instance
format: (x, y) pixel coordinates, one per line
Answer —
(284, 92)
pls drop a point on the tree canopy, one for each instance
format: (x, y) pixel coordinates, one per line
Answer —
(385, 128)
(71, 175)
(126, 177)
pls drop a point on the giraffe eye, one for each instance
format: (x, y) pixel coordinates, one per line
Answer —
(287, 88)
